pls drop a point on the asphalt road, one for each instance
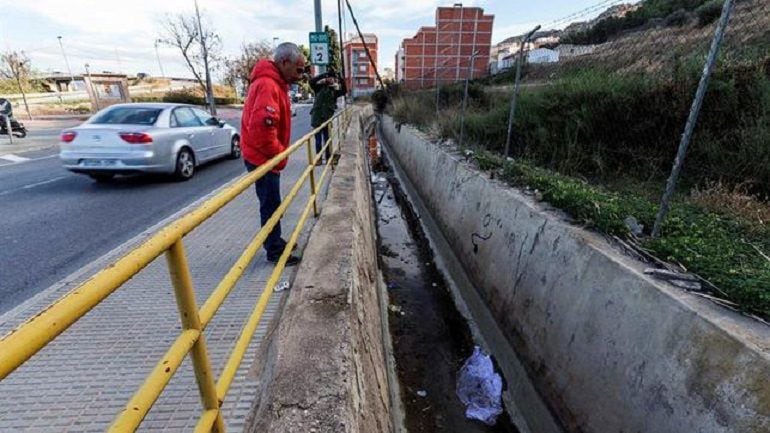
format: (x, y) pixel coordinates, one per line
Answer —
(53, 222)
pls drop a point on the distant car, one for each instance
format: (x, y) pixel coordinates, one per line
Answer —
(147, 138)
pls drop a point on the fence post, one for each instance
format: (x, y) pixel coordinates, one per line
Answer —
(188, 313)
(692, 120)
(311, 162)
(8, 128)
(465, 97)
(516, 90)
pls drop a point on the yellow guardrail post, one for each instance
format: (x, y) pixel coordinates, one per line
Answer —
(188, 313)
(332, 150)
(311, 161)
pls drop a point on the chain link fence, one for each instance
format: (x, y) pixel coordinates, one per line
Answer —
(601, 114)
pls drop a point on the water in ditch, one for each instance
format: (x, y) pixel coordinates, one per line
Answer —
(431, 339)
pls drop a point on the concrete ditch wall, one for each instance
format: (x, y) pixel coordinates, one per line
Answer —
(607, 348)
(324, 369)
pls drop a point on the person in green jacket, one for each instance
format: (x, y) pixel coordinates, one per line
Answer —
(327, 87)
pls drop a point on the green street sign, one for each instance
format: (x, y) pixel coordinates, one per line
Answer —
(319, 48)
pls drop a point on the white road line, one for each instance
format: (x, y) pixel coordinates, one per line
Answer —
(32, 185)
(13, 158)
(27, 159)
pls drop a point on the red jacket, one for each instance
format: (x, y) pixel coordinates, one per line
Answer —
(266, 120)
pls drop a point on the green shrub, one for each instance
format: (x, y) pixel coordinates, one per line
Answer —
(709, 12)
(720, 249)
(677, 18)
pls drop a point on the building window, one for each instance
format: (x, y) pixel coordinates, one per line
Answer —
(362, 54)
(362, 81)
(361, 68)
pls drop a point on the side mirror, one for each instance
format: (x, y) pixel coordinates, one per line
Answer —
(221, 123)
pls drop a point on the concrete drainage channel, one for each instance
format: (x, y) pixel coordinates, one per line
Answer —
(431, 338)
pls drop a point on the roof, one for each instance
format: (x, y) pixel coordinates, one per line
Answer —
(161, 105)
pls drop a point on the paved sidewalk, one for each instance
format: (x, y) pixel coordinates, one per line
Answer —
(87, 375)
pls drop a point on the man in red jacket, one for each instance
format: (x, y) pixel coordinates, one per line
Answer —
(266, 132)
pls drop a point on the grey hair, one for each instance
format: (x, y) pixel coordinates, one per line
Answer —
(287, 51)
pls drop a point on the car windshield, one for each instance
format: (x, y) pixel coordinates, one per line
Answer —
(128, 116)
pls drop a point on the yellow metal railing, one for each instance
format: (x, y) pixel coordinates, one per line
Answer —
(21, 344)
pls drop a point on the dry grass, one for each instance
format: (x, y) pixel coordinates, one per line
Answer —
(658, 50)
(736, 201)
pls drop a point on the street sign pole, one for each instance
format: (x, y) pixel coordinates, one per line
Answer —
(319, 29)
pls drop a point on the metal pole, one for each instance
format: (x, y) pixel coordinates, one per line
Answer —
(8, 128)
(120, 65)
(209, 89)
(692, 120)
(465, 97)
(157, 55)
(311, 162)
(342, 49)
(516, 90)
(190, 318)
(21, 90)
(93, 89)
(319, 26)
(66, 62)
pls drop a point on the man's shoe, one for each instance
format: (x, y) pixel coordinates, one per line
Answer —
(291, 261)
(294, 248)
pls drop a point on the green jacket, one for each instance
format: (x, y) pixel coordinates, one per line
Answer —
(325, 103)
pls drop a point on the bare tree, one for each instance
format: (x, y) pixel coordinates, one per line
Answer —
(15, 66)
(238, 69)
(182, 32)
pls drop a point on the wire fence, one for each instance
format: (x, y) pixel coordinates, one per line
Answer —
(617, 103)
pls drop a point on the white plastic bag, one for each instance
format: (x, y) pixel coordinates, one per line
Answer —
(480, 388)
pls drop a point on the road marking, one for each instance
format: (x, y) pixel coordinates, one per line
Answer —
(22, 160)
(13, 158)
(32, 185)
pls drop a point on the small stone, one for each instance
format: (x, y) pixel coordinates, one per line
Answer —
(422, 393)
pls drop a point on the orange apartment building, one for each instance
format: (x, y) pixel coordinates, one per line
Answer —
(360, 76)
(445, 53)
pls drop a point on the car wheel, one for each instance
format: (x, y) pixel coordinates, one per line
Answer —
(235, 148)
(185, 164)
(101, 177)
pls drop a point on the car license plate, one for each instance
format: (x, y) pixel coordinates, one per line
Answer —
(99, 162)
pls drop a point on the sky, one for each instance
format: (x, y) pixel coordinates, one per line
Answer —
(120, 36)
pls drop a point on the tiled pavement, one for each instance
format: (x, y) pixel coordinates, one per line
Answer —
(87, 375)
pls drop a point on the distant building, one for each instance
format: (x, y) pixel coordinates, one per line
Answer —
(543, 55)
(400, 65)
(457, 47)
(388, 74)
(360, 76)
(567, 50)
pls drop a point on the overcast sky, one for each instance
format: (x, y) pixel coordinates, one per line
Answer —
(119, 35)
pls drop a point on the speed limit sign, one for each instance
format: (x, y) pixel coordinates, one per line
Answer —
(319, 48)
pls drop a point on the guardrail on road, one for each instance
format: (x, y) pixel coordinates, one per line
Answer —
(22, 343)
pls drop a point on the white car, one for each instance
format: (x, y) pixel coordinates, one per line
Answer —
(147, 138)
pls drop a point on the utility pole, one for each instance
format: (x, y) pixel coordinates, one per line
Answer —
(319, 27)
(120, 65)
(209, 89)
(66, 62)
(20, 69)
(162, 74)
(93, 89)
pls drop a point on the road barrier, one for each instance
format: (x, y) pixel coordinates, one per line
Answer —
(22, 343)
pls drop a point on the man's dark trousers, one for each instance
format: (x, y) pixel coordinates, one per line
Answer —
(269, 194)
(321, 137)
